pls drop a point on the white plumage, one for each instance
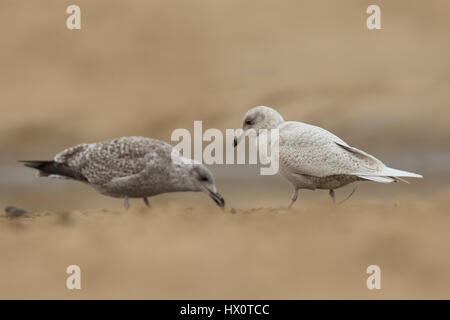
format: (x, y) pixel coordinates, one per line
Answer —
(313, 158)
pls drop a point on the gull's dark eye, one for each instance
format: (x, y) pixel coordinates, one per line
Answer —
(204, 178)
(249, 122)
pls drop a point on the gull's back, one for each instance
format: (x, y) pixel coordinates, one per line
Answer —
(311, 150)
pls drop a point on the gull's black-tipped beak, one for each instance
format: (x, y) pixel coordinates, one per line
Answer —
(218, 199)
(235, 142)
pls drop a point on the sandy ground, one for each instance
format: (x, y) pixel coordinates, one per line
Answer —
(316, 251)
(187, 248)
(149, 67)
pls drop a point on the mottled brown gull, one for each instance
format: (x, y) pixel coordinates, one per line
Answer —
(130, 167)
(313, 158)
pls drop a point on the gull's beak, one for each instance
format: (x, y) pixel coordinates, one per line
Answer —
(238, 139)
(218, 199)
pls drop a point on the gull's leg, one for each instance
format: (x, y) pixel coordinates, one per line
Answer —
(332, 196)
(349, 196)
(293, 198)
(126, 204)
(147, 203)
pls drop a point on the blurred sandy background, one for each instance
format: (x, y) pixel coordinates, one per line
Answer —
(149, 67)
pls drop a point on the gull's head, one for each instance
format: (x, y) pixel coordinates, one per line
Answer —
(201, 179)
(259, 118)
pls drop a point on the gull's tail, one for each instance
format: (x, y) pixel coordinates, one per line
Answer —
(45, 168)
(53, 169)
(388, 175)
(399, 173)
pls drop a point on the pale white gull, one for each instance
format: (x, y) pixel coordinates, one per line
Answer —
(130, 167)
(313, 158)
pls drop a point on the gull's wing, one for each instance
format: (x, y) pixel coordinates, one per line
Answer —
(313, 151)
(101, 162)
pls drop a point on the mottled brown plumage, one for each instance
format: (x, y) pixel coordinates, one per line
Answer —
(130, 167)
